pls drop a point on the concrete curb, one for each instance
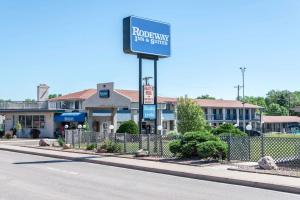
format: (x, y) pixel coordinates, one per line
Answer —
(268, 186)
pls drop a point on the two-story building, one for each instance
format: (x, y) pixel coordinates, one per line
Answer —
(107, 106)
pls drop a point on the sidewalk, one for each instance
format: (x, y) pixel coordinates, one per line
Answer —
(218, 173)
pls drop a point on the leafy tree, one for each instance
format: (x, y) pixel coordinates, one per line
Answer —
(51, 96)
(128, 127)
(190, 116)
(29, 100)
(259, 101)
(276, 109)
(206, 96)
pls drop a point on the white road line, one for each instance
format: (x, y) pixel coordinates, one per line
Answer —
(62, 171)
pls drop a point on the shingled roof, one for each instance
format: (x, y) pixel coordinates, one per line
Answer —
(280, 119)
(81, 95)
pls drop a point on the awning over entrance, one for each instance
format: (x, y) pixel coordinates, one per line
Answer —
(70, 117)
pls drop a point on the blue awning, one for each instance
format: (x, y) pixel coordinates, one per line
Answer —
(70, 117)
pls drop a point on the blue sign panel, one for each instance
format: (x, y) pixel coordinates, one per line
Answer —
(144, 36)
(104, 94)
(149, 112)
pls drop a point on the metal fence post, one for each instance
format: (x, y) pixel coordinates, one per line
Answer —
(140, 141)
(262, 145)
(229, 147)
(125, 141)
(249, 148)
(161, 146)
(79, 138)
(148, 143)
(73, 142)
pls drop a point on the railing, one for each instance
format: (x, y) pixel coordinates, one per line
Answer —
(23, 105)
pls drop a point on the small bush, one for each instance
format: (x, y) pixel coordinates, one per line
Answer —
(199, 136)
(128, 127)
(60, 141)
(8, 135)
(110, 146)
(212, 149)
(189, 149)
(173, 134)
(91, 147)
(175, 147)
(228, 129)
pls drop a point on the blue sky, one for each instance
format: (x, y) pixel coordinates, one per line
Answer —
(73, 45)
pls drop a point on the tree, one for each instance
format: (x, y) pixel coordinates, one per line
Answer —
(259, 101)
(206, 96)
(190, 116)
(128, 127)
(51, 96)
(29, 100)
(276, 109)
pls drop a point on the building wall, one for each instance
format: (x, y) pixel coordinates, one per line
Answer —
(47, 132)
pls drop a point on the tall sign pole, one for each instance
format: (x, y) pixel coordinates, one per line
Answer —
(148, 39)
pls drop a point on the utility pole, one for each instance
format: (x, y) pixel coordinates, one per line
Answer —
(243, 69)
(146, 79)
(238, 91)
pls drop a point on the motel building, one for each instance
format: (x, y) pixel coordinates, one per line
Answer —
(107, 106)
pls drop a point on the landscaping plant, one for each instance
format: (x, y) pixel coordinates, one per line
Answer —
(128, 127)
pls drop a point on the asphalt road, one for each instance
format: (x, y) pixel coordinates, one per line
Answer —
(24, 176)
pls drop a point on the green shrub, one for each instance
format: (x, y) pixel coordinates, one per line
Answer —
(173, 134)
(60, 141)
(8, 135)
(212, 149)
(91, 146)
(189, 149)
(228, 129)
(199, 136)
(128, 127)
(187, 145)
(175, 147)
(110, 146)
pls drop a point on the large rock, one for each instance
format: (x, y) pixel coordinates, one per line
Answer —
(67, 146)
(267, 163)
(44, 142)
(141, 153)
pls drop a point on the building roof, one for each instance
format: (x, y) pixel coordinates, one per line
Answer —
(219, 103)
(280, 119)
(133, 95)
(81, 95)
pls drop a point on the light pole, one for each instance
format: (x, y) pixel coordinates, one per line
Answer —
(243, 69)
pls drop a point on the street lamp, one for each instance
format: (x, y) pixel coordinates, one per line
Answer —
(243, 69)
(159, 127)
(111, 128)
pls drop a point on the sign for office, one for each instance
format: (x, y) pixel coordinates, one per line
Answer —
(144, 36)
(148, 94)
(149, 112)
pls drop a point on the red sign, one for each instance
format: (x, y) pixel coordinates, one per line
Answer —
(148, 94)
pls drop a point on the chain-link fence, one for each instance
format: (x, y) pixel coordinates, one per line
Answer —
(284, 150)
(156, 145)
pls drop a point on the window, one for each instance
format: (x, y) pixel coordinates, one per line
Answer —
(32, 121)
(165, 125)
(171, 125)
(22, 120)
(29, 121)
(77, 105)
(36, 121)
(42, 121)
